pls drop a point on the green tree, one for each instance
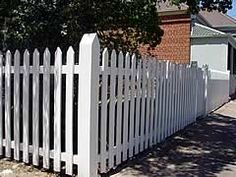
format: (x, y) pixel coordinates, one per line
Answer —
(120, 23)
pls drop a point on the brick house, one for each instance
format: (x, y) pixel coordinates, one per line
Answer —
(175, 44)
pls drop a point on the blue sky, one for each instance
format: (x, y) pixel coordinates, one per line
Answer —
(232, 12)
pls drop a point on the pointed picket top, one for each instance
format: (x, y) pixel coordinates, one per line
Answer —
(180, 70)
(46, 57)
(105, 55)
(170, 69)
(36, 57)
(177, 66)
(58, 57)
(70, 56)
(127, 60)
(17, 58)
(26, 57)
(167, 68)
(36, 52)
(17, 53)
(26, 52)
(139, 64)
(148, 67)
(164, 69)
(58, 51)
(113, 58)
(134, 61)
(121, 60)
(174, 68)
(153, 66)
(8, 58)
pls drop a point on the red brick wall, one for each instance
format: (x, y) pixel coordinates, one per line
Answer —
(175, 44)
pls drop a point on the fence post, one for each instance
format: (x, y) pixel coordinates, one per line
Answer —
(194, 65)
(205, 76)
(88, 105)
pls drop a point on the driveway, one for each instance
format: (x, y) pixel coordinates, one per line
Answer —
(206, 148)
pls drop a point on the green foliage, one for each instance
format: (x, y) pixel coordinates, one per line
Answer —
(196, 5)
(123, 24)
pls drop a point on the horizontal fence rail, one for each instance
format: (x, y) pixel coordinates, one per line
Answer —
(93, 114)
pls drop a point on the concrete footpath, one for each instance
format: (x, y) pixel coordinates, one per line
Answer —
(206, 148)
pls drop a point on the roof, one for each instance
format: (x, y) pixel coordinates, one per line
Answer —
(216, 19)
(168, 6)
(199, 30)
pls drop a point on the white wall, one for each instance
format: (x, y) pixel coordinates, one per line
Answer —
(217, 89)
(214, 53)
(210, 51)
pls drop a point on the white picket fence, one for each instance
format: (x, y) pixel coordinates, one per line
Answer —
(94, 115)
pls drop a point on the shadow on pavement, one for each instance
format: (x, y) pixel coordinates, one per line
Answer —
(202, 149)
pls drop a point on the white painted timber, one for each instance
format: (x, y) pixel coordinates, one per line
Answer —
(137, 111)
(104, 111)
(69, 111)
(88, 105)
(126, 107)
(112, 109)
(57, 109)
(132, 102)
(46, 108)
(8, 103)
(17, 105)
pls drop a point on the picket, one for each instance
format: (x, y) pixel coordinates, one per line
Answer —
(175, 123)
(132, 102)
(119, 107)
(152, 97)
(112, 109)
(160, 111)
(26, 107)
(35, 107)
(69, 110)
(147, 99)
(8, 103)
(156, 101)
(178, 116)
(17, 105)
(46, 109)
(143, 101)
(167, 95)
(170, 98)
(104, 110)
(137, 111)
(57, 109)
(124, 106)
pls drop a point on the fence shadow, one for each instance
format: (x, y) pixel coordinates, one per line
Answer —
(202, 149)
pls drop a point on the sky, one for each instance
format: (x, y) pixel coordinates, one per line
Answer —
(232, 12)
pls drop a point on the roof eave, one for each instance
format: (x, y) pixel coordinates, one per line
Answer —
(220, 36)
(173, 12)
